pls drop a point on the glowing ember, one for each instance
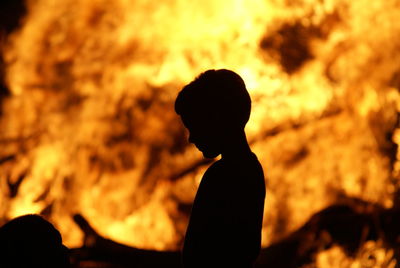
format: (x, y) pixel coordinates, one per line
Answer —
(91, 129)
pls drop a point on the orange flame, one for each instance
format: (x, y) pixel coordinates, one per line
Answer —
(93, 83)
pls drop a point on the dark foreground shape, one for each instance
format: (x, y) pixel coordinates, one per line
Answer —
(31, 241)
(111, 254)
(225, 223)
(348, 226)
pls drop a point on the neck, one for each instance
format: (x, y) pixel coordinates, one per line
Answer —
(235, 145)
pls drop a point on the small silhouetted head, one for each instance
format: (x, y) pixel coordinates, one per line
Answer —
(31, 241)
(215, 104)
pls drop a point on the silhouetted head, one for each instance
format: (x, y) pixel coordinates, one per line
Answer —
(214, 105)
(31, 241)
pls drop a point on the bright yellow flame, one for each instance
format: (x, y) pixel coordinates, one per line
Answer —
(93, 84)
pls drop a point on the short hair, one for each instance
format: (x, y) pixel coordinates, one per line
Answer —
(216, 91)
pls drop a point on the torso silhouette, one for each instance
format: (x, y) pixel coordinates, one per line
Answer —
(225, 225)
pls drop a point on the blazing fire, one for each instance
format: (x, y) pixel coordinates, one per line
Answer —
(89, 126)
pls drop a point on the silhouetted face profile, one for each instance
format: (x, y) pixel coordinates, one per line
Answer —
(204, 135)
(212, 107)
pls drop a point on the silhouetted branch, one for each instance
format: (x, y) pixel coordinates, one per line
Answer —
(288, 125)
(348, 225)
(14, 186)
(7, 158)
(99, 248)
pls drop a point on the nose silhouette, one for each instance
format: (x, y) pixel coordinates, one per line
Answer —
(191, 138)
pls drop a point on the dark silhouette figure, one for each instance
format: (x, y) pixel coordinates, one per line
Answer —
(31, 241)
(225, 224)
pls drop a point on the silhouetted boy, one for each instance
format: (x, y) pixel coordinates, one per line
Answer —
(225, 224)
(31, 241)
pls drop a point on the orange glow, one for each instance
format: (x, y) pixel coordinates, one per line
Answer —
(91, 121)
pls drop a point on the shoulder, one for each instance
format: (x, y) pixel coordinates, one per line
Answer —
(245, 165)
(247, 174)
